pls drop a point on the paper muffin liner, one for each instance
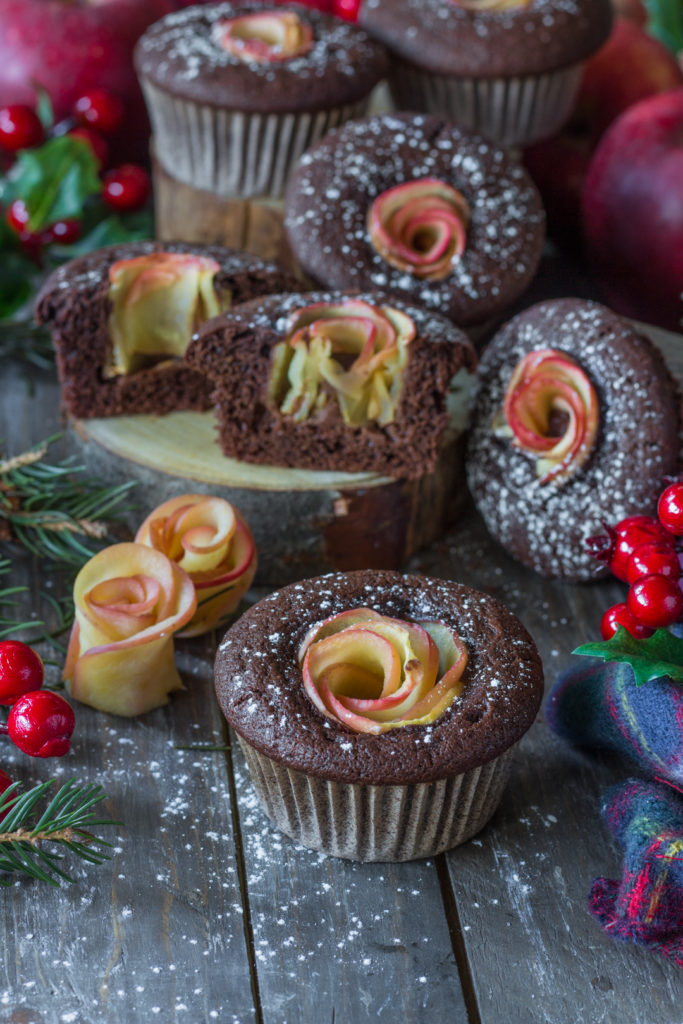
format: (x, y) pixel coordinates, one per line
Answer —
(231, 153)
(509, 111)
(377, 823)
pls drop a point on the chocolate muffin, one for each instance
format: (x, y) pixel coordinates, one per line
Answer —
(576, 422)
(327, 381)
(387, 781)
(509, 69)
(237, 91)
(415, 207)
(121, 318)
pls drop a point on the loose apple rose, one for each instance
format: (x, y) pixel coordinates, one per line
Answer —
(210, 540)
(354, 351)
(129, 600)
(550, 409)
(420, 227)
(265, 37)
(158, 302)
(372, 673)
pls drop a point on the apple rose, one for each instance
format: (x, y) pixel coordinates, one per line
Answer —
(158, 302)
(264, 37)
(550, 409)
(353, 351)
(129, 601)
(372, 673)
(420, 227)
(210, 540)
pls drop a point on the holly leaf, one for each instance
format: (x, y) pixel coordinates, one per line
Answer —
(659, 655)
(54, 180)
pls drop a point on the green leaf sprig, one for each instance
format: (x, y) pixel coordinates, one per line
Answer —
(660, 655)
(55, 510)
(67, 822)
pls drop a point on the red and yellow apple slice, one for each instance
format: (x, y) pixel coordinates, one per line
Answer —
(158, 301)
(265, 37)
(420, 227)
(351, 350)
(371, 672)
(548, 388)
(129, 601)
(210, 540)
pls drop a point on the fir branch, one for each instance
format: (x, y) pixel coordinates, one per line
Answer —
(23, 341)
(54, 510)
(67, 821)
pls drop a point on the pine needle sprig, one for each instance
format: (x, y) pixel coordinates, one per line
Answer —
(67, 821)
(54, 510)
(8, 599)
(23, 341)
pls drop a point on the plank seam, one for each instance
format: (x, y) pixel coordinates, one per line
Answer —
(242, 878)
(457, 941)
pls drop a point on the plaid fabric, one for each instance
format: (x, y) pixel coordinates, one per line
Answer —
(646, 904)
(597, 704)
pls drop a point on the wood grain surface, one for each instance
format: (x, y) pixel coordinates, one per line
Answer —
(206, 913)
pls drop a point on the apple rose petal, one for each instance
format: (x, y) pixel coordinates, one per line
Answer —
(157, 302)
(550, 410)
(370, 672)
(264, 37)
(352, 352)
(210, 540)
(420, 227)
(120, 657)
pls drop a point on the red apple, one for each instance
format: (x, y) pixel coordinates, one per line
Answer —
(633, 211)
(629, 67)
(72, 46)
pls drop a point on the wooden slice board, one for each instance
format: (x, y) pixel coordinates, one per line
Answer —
(304, 522)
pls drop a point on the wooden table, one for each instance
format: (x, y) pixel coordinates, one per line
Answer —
(206, 913)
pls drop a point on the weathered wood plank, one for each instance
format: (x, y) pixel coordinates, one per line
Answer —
(156, 933)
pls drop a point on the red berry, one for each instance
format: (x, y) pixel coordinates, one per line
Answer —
(630, 534)
(126, 187)
(99, 109)
(347, 9)
(41, 724)
(20, 127)
(65, 232)
(21, 670)
(17, 216)
(653, 559)
(670, 508)
(96, 142)
(655, 601)
(619, 615)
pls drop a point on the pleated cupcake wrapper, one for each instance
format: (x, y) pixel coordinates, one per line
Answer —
(377, 823)
(231, 153)
(509, 111)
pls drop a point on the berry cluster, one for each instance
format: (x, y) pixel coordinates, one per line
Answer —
(96, 115)
(40, 722)
(644, 552)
